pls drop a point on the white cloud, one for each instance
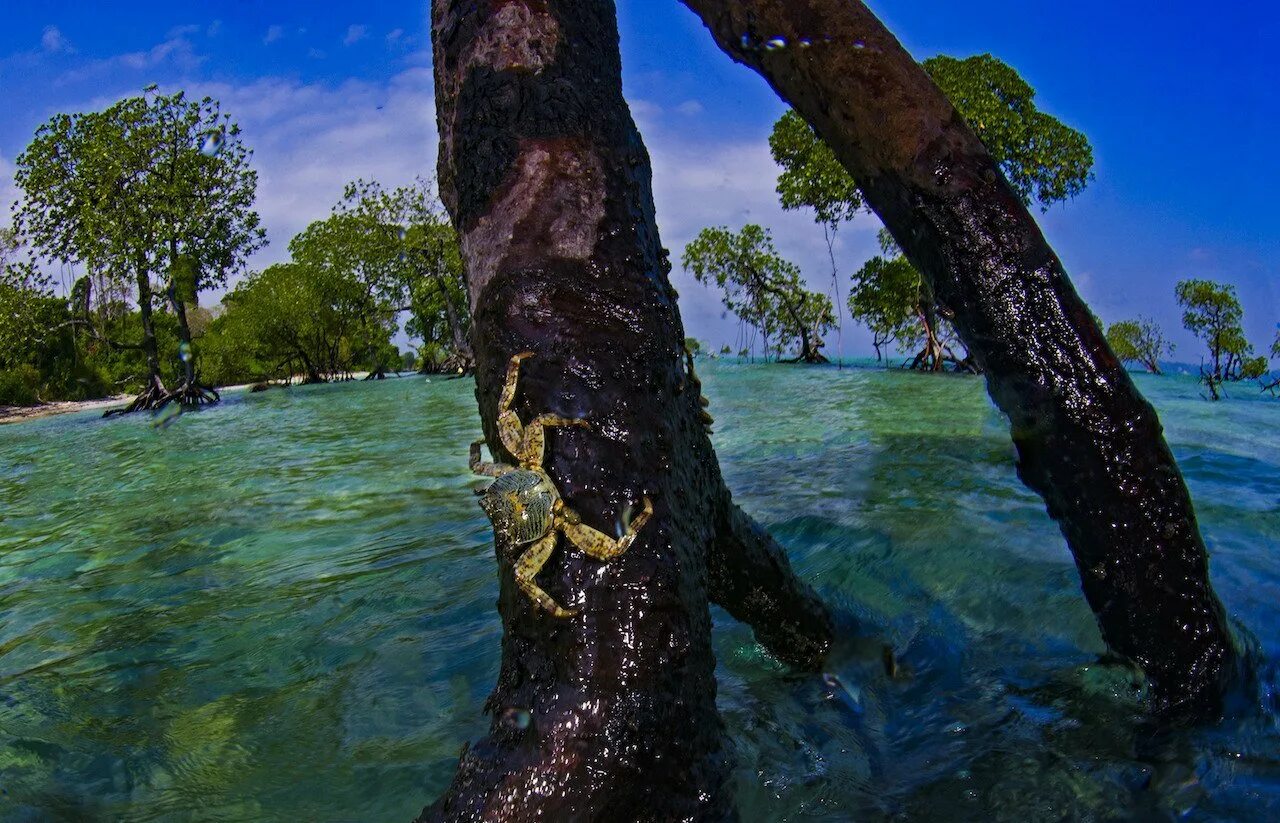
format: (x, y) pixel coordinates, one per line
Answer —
(700, 182)
(309, 140)
(394, 36)
(54, 42)
(215, 28)
(689, 108)
(273, 34)
(355, 33)
(179, 50)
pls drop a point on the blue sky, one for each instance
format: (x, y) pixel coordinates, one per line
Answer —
(1178, 99)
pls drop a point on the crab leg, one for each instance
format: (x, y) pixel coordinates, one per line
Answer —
(478, 466)
(531, 450)
(597, 544)
(527, 568)
(509, 428)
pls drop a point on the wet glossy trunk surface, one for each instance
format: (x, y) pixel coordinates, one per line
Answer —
(1087, 441)
(608, 715)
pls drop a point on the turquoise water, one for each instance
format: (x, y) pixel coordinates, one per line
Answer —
(281, 608)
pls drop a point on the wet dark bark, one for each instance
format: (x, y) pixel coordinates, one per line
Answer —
(608, 715)
(1087, 440)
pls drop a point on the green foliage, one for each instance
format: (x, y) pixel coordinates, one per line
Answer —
(1275, 347)
(152, 185)
(408, 361)
(693, 345)
(27, 310)
(419, 259)
(761, 288)
(38, 354)
(20, 385)
(334, 308)
(1045, 160)
(144, 183)
(1139, 341)
(1253, 368)
(886, 297)
(295, 318)
(1212, 312)
(811, 175)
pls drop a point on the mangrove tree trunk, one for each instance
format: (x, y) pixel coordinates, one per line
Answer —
(608, 714)
(1087, 441)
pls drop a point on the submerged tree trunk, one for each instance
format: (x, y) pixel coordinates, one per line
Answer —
(1087, 440)
(610, 714)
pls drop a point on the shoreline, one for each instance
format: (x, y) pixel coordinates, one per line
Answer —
(20, 414)
(17, 414)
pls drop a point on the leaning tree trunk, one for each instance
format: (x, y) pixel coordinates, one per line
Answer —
(1087, 441)
(610, 714)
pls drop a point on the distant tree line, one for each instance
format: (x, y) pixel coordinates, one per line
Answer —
(150, 202)
(334, 307)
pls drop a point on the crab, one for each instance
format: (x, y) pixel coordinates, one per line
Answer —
(524, 505)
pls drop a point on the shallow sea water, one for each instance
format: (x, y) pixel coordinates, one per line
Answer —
(281, 608)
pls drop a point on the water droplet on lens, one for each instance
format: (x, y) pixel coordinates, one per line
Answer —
(166, 416)
(516, 718)
(212, 143)
(184, 352)
(775, 43)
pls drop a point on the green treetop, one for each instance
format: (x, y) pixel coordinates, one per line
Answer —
(25, 298)
(1139, 341)
(153, 186)
(1212, 312)
(1045, 160)
(426, 274)
(296, 318)
(761, 288)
